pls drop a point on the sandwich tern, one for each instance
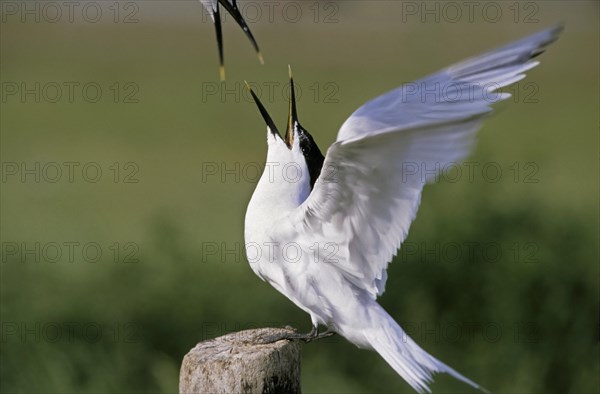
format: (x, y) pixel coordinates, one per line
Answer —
(360, 199)
(212, 6)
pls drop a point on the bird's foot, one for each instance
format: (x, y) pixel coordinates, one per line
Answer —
(313, 335)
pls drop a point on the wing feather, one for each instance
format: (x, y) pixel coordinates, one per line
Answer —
(370, 186)
(459, 91)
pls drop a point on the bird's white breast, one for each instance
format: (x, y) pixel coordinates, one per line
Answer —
(283, 186)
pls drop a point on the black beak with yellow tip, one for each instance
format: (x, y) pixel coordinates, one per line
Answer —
(232, 8)
(311, 152)
(292, 122)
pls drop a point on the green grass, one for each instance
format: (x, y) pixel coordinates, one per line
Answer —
(528, 321)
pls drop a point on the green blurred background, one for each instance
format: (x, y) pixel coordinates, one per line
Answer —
(517, 311)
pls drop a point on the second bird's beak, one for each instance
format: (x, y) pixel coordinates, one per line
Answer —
(233, 9)
(293, 115)
(218, 30)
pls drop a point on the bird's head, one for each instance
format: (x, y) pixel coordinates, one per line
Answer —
(297, 145)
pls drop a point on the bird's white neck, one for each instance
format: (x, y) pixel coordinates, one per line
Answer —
(283, 186)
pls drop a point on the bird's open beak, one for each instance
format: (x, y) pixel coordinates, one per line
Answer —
(264, 113)
(233, 9)
(293, 115)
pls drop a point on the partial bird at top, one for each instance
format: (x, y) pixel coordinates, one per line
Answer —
(212, 6)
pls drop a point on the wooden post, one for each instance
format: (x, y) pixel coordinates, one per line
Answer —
(243, 362)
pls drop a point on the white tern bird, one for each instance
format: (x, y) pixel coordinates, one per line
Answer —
(212, 6)
(322, 230)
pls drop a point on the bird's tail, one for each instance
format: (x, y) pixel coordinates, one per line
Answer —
(407, 358)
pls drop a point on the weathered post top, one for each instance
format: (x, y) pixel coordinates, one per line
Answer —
(243, 362)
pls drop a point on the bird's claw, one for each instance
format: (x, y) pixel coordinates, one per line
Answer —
(313, 335)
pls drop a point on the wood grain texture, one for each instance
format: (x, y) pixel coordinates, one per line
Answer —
(243, 362)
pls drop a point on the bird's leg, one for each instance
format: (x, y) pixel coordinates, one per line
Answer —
(292, 335)
(313, 335)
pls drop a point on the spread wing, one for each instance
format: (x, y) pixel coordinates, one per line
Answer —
(370, 186)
